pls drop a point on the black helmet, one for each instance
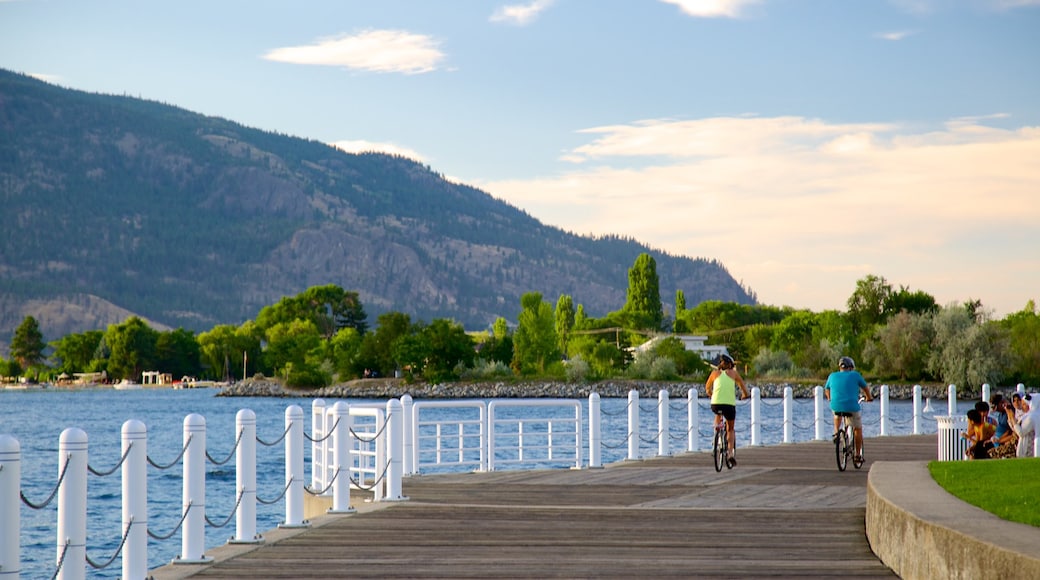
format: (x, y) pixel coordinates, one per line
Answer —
(846, 362)
(722, 360)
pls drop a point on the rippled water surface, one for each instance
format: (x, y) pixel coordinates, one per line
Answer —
(37, 418)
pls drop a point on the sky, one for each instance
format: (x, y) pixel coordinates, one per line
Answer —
(804, 144)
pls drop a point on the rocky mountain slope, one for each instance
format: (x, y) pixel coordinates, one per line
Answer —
(112, 205)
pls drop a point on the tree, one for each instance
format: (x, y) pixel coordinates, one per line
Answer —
(376, 353)
(967, 352)
(27, 344)
(564, 320)
(177, 352)
(1024, 334)
(679, 327)
(901, 347)
(866, 305)
(913, 302)
(236, 346)
(534, 342)
(132, 348)
(328, 307)
(643, 310)
(447, 347)
(74, 352)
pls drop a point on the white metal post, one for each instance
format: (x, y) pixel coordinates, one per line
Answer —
(788, 414)
(193, 497)
(692, 419)
(245, 478)
(918, 412)
(395, 449)
(10, 517)
(594, 431)
(633, 424)
(821, 406)
(406, 418)
(72, 505)
(883, 393)
(135, 500)
(663, 445)
(756, 416)
(294, 475)
(985, 392)
(341, 459)
(951, 400)
(319, 432)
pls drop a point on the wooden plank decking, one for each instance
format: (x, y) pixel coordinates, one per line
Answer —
(783, 511)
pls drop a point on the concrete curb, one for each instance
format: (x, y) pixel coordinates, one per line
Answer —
(920, 531)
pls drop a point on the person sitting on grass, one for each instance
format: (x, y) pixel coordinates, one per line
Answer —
(979, 435)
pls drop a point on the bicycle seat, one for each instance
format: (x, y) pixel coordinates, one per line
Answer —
(843, 413)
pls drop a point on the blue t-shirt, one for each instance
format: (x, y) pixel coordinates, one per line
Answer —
(844, 387)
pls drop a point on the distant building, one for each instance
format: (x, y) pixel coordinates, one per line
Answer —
(690, 342)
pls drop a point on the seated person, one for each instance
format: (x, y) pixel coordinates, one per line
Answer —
(1005, 439)
(1023, 421)
(979, 435)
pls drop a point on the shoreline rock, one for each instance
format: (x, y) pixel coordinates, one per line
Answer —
(396, 388)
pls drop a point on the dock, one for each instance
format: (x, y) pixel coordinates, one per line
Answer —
(783, 511)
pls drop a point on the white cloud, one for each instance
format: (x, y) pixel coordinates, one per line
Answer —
(1012, 4)
(521, 14)
(713, 8)
(895, 35)
(52, 79)
(373, 50)
(799, 209)
(375, 147)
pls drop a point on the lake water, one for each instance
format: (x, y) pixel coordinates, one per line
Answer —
(37, 418)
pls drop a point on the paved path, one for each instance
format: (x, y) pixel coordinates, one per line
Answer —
(783, 511)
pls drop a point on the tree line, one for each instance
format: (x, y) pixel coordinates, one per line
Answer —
(322, 336)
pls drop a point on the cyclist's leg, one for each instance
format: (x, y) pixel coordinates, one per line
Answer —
(857, 433)
(837, 426)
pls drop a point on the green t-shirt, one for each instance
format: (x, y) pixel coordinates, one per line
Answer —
(724, 390)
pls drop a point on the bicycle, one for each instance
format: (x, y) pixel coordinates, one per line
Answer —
(720, 446)
(845, 444)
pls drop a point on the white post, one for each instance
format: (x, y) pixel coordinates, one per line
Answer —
(193, 498)
(294, 468)
(594, 431)
(135, 500)
(788, 414)
(633, 424)
(692, 419)
(395, 449)
(245, 478)
(663, 445)
(409, 450)
(341, 459)
(821, 408)
(1020, 389)
(985, 392)
(951, 400)
(883, 393)
(10, 503)
(72, 505)
(319, 458)
(756, 416)
(918, 411)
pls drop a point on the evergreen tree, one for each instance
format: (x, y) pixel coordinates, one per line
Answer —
(27, 344)
(643, 308)
(534, 342)
(564, 320)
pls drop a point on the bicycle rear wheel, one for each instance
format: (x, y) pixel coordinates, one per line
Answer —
(841, 450)
(718, 448)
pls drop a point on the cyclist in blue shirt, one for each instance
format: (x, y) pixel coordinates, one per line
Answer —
(842, 390)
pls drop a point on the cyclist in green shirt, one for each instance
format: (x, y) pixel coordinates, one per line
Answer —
(721, 386)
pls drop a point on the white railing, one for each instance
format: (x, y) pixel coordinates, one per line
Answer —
(383, 469)
(525, 439)
(449, 434)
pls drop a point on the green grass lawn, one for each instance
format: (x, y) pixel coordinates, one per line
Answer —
(1008, 488)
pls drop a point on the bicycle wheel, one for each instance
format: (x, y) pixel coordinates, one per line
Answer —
(841, 450)
(718, 448)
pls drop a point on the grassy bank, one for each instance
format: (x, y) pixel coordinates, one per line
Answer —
(1007, 488)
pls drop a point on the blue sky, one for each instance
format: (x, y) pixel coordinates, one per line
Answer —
(803, 143)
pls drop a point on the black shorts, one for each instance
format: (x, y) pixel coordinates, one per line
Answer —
(728, 412)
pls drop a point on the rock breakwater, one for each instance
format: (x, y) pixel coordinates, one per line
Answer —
(395, 388)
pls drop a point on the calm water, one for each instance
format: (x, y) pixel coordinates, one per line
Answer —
(37, 418)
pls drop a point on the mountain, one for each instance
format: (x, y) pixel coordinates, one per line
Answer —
(112, 205)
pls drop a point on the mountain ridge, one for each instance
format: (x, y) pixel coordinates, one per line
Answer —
(134, 206)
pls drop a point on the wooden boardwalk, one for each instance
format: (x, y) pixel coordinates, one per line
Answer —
(783, 511)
